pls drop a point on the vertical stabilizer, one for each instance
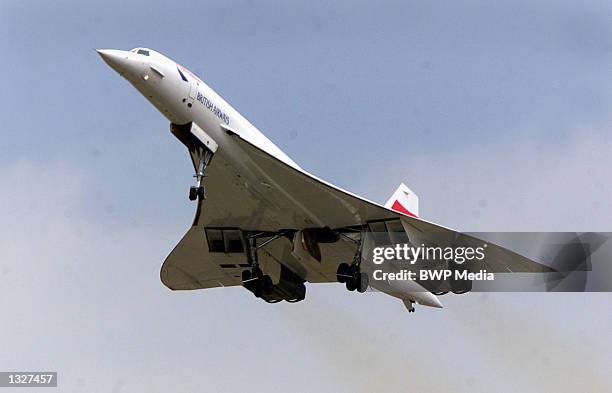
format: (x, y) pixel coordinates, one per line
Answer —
(404, 200)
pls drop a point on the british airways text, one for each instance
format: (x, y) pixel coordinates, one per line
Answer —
(213, 108)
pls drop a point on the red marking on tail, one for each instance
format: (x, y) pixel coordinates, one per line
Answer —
(398, 207)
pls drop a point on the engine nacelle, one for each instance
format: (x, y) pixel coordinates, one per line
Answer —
(306, 243)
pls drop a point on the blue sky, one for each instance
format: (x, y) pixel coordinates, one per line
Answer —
(496, 114)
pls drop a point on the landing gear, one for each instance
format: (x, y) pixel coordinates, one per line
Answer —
(351, 275)
(362, 283)
(290, 286)
(198, 191)
(201, 150)
(255, 281)
(343, 272)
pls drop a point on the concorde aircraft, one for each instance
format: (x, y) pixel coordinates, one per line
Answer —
(263, 222)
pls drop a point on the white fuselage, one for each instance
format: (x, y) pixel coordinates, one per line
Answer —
(182, 98)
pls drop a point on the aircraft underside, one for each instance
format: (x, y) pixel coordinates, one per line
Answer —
(273, 280)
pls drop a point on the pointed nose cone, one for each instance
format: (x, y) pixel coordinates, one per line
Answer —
(118, 60)
(128, 64)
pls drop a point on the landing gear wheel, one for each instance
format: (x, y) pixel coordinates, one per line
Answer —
(362, 282)
(258, 287)
(201, 193)
(352, 277)
(266, 284)
(193, 193)
(201, 156)
(197, 193)
(342, 274)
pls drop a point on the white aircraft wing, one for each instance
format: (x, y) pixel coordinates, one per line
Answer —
(284, 197)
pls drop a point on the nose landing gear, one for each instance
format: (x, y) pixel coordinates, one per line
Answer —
(198, 191)
(201, 150)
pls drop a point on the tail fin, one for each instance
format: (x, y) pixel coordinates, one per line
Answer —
(404, 200)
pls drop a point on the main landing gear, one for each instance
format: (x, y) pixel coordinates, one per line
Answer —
(198, 191)
(290, 286)
(351, 275)
(254, 280)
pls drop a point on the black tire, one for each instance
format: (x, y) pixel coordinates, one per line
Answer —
(258, 282)
(353, 271)
(201, 193)
(267, 285)
(342, 272)
(193, 193)
(362, 282)
(258, 291)
(351, 284)
(256, 272)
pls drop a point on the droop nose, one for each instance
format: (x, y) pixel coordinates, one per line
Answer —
(116, 59)
(122, 62)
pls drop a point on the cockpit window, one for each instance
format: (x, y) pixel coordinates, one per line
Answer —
(143, 52)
